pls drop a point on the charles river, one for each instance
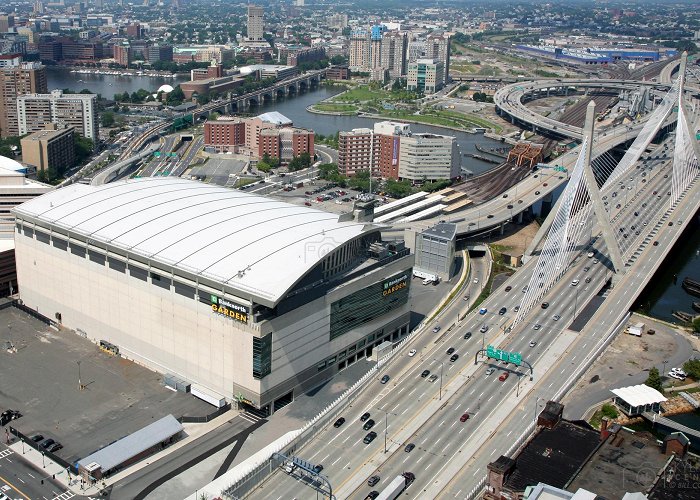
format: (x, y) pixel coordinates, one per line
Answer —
(662, 296)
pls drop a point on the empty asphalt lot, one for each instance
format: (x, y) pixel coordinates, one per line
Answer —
(40, 380)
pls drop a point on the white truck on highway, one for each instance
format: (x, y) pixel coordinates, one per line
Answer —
(397, 486)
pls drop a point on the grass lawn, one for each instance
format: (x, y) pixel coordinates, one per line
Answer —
(361, 94)
(443, 118)
(335, 108)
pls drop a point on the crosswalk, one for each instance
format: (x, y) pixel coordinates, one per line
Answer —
(6, 452)
(250, 417)
(65, 496)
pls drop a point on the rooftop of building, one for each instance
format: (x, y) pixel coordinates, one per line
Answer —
(553, 456)
(48, 134)
(679, 481)
(445, 230)
(258, 246)
(275, 117)
(626, 461)
(265, 67)
(639, 395)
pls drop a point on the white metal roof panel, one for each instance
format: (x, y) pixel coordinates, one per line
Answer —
(638, 395)
(400, 202)
(255, 244)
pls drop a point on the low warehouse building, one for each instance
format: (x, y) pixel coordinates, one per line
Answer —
(245, 297)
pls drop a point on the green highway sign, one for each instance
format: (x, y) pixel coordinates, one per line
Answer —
(509, 357)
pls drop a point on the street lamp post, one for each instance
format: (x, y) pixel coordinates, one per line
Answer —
(537, 404)
(80, 383)
(442, 365)
(664, 372)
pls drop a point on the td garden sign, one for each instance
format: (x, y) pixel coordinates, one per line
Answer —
(230, 309)
(394, 285)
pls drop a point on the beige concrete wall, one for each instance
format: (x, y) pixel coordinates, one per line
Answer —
(171, 333)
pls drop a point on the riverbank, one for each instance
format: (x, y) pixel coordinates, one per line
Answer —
(120, 72)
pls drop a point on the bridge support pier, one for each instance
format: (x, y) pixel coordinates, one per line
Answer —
(502, 228)
(519, 219)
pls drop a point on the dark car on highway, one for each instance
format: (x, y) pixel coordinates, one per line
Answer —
(368, 425)
(364, 417)
(425, 373)
(369, 437)
(339, 422)
(373, 480)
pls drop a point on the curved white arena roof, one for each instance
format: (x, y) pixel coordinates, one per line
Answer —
(165, 88)
(254, 244)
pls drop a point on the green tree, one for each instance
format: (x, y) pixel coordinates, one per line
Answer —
(654, 380)
(326, 170)
(263, 166)
(696, 324)
(692, 368)
(360, 180)
(107, 119)
(398, 189)
(175, 97)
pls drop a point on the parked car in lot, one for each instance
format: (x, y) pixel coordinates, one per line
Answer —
(37, 437)
(46, 443)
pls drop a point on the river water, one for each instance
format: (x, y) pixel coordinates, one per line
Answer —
(105, 85)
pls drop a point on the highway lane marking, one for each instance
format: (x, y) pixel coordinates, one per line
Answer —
(336, 461)
(460, 431)
(13, 487)
(419, 459)
(509, 433)
(30, 475)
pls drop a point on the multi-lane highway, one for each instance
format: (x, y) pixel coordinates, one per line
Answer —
(18, 479)
(410, 406)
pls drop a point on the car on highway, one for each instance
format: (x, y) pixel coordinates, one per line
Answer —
(364, 417)
(591, 255)
(432, 378)
(533, 343)
(545, 305)
(484, 329)
(369, 437)
(476, 280)
(502, 311)
(450, 350)
(503, 377)
(505, 195)
(372, 495)
(537, 326)
(318, 468)
(489, 216)
(556, 317)
(575, 283)
(466, 298)
(454, 357)
(384, 379)
(409, 447)
(595, 261)
(508, 288)
(373, 480)
(467, 335)
(525, 288)
(339, 422)
(368, 425)
(509, 206)
(425, 373)
(436, 329)
(483, 310)
(464, 417)
(588, 280)
(516, 308)
(656, 243)
(412, 353)
(489, 371)
(586, 269)
(537, 193)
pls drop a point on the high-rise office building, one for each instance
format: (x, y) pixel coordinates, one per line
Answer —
(425, 75)
(15, 81)
(375, 47)
(391, 151)
(359, 50)
(437, 47)
(79, 111)
(255, 23)
(394, 52)
(6, 22)
(50, 148)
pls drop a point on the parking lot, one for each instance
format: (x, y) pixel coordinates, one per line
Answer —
(218, 170)
(323, 196)
(40, 380)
